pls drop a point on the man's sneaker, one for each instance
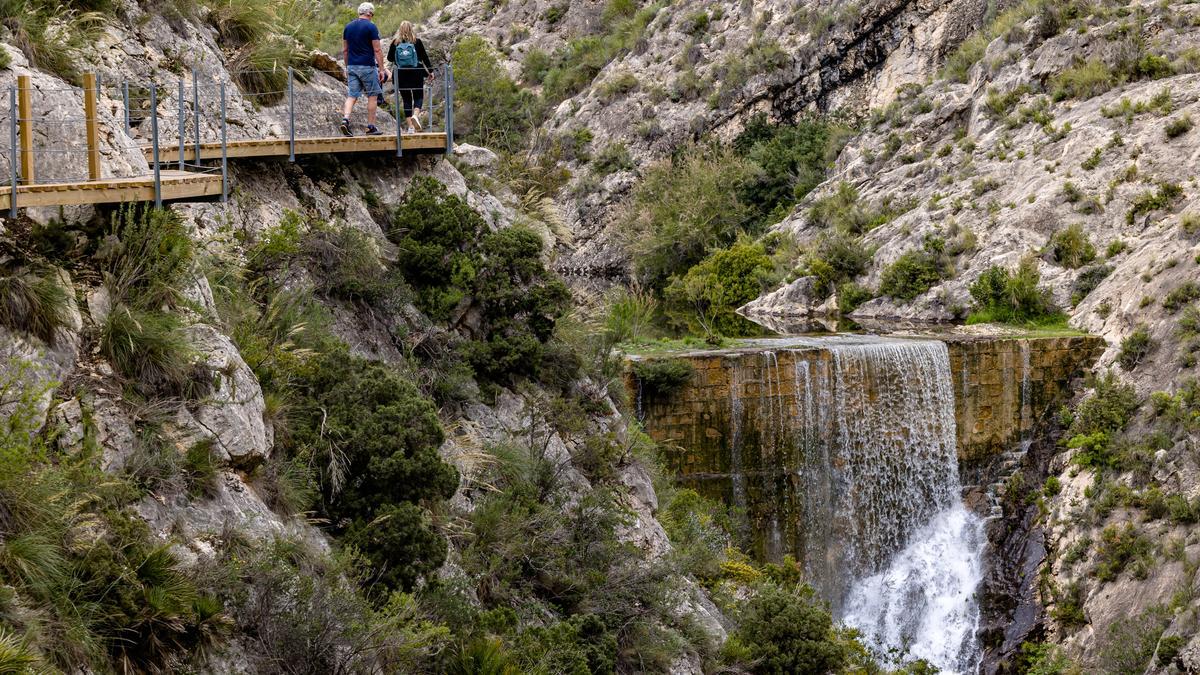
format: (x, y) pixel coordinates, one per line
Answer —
(373, 131)
(345, 127)
(412, 130)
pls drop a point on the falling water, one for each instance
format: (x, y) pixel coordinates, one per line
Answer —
(886, 537)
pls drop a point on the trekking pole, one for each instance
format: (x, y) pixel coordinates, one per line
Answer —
(154, 143)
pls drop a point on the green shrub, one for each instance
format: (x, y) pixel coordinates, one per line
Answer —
(153, 350)
(843, 211)
(851, 295)
(1071, 247)
(1099, 417)
(711, 291)
(377, 438)
(1169, 648)
(1068, 607)
(141, 613)
(792, 160)
(1087, 281)
(1130, 642)
(348, 266)
(1083, 80)
(787, 631)
(33, 303)
(520, 303)
(52, 35)
(613, 158)
(1013, 297)
(576, 64)
(1181, 295)
(490, 109)
(436, 234)
(1178, 126)
(1165, 197)
(630, 315)
(683, 209)
(1119, 546)
(1135, 347)
(835, 259)
(149, 257)
(1115, 248)
(916, 271)
(662, 377)
(617, 86)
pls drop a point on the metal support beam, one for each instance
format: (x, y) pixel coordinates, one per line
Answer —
(196, 113)
(182, 125)
(154, 144)
(12, 156)
(449, 109)
(125, 104)
(91, 126)
(398, 112)
(291, 114)
(224, 151)
(25, 119)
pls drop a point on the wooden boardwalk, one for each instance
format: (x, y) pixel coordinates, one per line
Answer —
(281, 147)
(175, 185)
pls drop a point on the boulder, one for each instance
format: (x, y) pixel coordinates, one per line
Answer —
(232, 414)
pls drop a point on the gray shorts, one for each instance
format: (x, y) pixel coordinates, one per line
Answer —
(362, 80)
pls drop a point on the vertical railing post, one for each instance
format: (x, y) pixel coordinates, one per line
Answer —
(89, 122)
(398, 112)
(25, 118)
(291, 114)
(196, 114)
(224, 151)
(125, 104)
(182, 125)
(12, 157)
(449, 109)
(154, 143)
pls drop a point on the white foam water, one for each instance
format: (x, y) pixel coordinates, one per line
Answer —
(924, 604)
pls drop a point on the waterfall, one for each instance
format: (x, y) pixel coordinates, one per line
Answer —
(887, 539)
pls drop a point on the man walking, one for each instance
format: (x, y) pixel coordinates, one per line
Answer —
(365, 71)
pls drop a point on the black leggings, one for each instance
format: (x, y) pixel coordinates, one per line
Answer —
(412, 98)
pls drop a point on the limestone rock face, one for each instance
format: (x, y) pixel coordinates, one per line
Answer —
(796, 299)
(232, 414)
(830, 56)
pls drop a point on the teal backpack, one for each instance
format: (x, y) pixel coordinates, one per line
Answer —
(406, 55)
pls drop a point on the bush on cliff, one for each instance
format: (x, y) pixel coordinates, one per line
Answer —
(786, 630)
(32, 302)
(375, 438)
(711, 291)
(916, 271)
(1013, 297)
(792, 160)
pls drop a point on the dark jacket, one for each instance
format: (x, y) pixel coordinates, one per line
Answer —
(412, 77)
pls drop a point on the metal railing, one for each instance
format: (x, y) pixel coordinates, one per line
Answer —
(186, 117)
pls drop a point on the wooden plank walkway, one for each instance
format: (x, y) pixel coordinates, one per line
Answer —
(280, 147)
(175, 185)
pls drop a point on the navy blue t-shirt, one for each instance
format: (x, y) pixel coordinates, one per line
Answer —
(359, 34)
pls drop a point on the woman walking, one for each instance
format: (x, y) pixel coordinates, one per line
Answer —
(413, 68)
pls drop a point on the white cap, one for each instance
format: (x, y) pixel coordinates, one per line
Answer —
(366, 8)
